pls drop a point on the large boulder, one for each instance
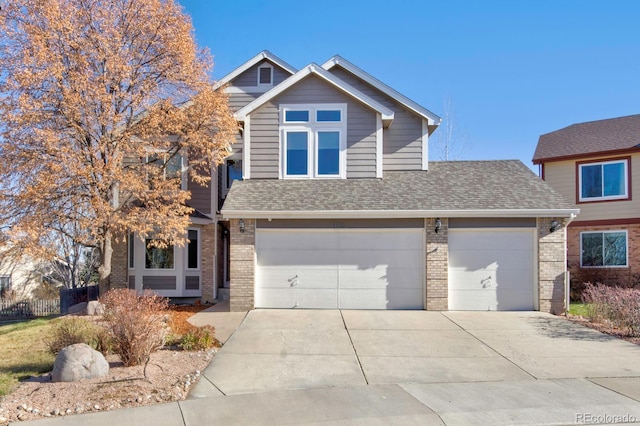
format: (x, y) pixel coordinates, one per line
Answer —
(78, 309)
(95, 308)
(78, 362)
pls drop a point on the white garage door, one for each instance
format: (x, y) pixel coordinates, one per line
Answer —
(492, 269)
(339, 268)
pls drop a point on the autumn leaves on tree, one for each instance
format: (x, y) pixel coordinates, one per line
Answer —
(105, 106)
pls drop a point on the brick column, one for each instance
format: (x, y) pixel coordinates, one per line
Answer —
(208, 262)
(242, 265)
(119, 264)
(437, 248)
(551, 266)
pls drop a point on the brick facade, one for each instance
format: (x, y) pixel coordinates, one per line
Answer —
(551, 266)
(207, 262)
(242, 265)
(119, 265)
(437, 265)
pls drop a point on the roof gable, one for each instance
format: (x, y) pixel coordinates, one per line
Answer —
(337, 60)
(265, 54)
(593, 137)
(314, 69)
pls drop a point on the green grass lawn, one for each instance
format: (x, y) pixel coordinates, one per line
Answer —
(24, 351)
(576, 308)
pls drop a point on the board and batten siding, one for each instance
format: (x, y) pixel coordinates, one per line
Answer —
(402, 141)
(561, 175)
(249, 78)
(361, 130)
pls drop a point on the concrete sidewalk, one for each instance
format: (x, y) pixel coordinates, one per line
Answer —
(401, 367)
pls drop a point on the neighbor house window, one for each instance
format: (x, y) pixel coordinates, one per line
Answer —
(158, 258)
(313, 139)
(193, 249)
(603, 249)
(265, 75)
(234, 171)
(5, 285)
(607, 180)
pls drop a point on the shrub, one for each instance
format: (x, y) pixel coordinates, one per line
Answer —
(199, 338)
(619, 306)
(69, 331)
(136, 324)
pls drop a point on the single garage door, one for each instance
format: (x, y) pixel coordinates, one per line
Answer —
(339, 268)
(492, 269)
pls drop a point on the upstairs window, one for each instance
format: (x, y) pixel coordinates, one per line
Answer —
(234, 171)
(265, 75)
(313, 140)
(603, 249)
(602, 181)
(172, 166)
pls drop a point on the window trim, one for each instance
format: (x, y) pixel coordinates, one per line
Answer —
(198, 253)
(265, 66)
(313, 127)
(626, 161)
(603, 232)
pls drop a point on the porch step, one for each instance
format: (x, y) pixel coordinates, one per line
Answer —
(223, 294)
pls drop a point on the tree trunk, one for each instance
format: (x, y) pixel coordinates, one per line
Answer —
(104, 270)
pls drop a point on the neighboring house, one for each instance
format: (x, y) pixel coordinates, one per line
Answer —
(328, 200)
(597, 166)
(20, 275)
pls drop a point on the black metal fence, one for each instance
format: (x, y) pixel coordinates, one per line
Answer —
(73, 296)
(28, 308)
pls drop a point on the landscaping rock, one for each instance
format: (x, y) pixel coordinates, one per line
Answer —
(78, 362)
(95, 308)
(78, 309)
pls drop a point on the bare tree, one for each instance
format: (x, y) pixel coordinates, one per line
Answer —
(449, 142)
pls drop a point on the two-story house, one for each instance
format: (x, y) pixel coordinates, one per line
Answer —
(328, 200)
(597, 166)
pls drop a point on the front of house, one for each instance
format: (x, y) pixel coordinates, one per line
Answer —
(597, 164)
(329, 200)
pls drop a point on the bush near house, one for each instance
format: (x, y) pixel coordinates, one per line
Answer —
(618, 306)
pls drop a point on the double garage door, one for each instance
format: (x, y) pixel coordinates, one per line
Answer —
(340, 268)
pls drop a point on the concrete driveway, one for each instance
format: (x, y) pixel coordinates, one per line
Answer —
(462, 368)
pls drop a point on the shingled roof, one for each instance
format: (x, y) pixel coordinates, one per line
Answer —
(602, 136)
(451, 189)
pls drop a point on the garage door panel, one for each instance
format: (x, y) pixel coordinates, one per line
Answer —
(472, 260)
(370, 240)
(281, 298)
(486, 240)
(301, 258)
(294, 240)
(380, 278)
(380, 299)
(365, 259)
(302, 278)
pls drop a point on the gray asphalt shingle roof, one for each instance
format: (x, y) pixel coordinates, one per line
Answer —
(446, 186)
(612, 134)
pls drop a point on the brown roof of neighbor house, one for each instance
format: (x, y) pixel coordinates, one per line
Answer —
(456, 188)
(614, 134)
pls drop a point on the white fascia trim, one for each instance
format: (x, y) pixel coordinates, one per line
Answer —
(391, 214)
(265, 54)
(248, 89)
(379, 146)
(246, 147)
(425, 145)
(432, 118)
(387, 114)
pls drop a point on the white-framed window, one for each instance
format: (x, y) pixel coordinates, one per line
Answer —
(265, 75)
(173, 166)
(159, 258)
(604, 180)
(313, 141)
(193, 248)
(233, 171)
(5, 285)
(603, 249)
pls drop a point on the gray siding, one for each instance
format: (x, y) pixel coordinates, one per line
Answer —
(158, 283)
(361, 130)
(200, 196)
(238, 100)
(132, 282)
(403, 139)
(250, 76)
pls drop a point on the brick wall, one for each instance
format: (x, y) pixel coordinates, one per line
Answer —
(208, 261)
(119, 265)
(242, 265)
(551, 266)
(437, 265)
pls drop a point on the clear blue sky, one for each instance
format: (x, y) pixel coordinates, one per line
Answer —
(513, 69)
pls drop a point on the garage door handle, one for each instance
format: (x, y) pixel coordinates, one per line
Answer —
(293, 281)
(486, 282)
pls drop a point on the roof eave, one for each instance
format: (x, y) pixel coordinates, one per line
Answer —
(384, 214)
(265, 54)
(587, 155)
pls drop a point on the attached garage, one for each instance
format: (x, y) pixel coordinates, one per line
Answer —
(492, 269)
(344, 268)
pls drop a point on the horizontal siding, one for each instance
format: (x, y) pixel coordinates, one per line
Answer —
(562, 176)
(402, 148)
(239, 100)
(159, 283)
(250, 76)
(200, 197)
(264, 142)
